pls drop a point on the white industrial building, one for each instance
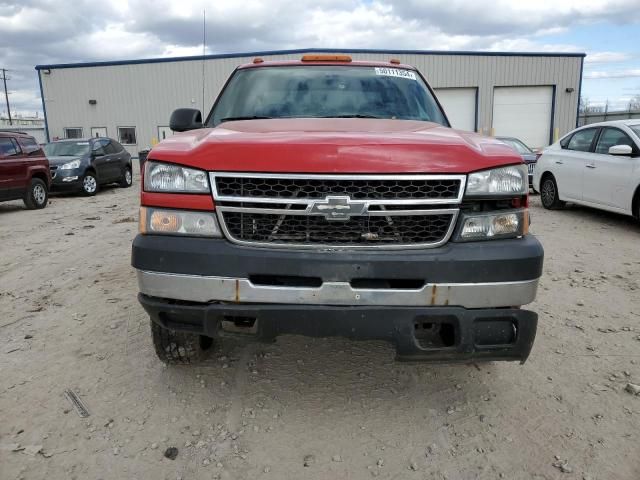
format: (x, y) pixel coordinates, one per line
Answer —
(532, 96)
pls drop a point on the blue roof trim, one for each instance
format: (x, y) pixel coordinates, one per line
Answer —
(307, 50)
(44, 108)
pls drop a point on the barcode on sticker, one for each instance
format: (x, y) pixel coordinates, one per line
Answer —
(395, 72)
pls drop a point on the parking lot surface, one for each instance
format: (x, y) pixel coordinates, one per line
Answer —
(305, 408)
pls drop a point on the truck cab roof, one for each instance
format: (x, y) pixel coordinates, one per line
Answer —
(326, 60)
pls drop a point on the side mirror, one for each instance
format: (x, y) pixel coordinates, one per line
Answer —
(624, 150)
(184, 119)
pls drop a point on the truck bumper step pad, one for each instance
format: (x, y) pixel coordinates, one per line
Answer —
(433, 334)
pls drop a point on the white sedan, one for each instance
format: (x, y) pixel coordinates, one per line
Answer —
(597, 165)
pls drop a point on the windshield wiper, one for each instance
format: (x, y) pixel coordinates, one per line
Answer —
(351, 116)
(247, 117)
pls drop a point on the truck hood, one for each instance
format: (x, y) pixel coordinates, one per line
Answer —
(337, 145)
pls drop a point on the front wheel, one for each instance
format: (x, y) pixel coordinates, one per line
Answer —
(37, 195)
(549, 194)
(127, 178)
(89, 184)
(180, 348)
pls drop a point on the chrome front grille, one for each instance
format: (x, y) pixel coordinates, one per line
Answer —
(307, 210)
(364, 188)
(531, 167)
(314, 230)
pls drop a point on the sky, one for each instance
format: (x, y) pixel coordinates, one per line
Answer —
(36, 32)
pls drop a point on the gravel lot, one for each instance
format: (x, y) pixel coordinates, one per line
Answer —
(303, 408)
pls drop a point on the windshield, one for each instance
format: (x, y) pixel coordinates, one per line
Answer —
(326, 92)
(520, 147)
(66, 149)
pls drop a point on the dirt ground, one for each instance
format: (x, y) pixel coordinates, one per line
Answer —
(69, 319)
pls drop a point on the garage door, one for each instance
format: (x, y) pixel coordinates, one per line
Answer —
(460, 106)
(524, 113)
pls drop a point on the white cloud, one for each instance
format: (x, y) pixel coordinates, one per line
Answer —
(607, 57)
(627, 73)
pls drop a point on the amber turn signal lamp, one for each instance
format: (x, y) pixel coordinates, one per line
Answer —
(326, 58)
(163, 221)
(142, 223)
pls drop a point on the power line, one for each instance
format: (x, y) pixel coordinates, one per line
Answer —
(6, 94)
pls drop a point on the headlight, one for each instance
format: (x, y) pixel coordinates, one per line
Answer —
(505, 224)
(178, 222)
(165, 177)
(513, 180)
(71, 165)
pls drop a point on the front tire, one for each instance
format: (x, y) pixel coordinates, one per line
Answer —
(127, 178)
(179, 348)
(549, 194)
(89, 184)
(37, 195)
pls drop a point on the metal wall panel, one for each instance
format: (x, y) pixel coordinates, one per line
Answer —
(144, 94)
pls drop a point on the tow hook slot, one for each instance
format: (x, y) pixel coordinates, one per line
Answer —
(239, 325)
(435, 333)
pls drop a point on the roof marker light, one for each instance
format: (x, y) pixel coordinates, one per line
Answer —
(326, 58)
(395, 61)
(258, 60)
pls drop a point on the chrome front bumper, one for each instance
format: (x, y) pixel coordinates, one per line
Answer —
(207, 289)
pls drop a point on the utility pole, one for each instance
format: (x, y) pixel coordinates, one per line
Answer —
(6, 95)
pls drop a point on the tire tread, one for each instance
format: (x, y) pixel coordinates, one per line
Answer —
(177, 348)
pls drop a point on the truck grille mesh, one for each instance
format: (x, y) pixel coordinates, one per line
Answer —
(390, 211)
(257, 187)
(314, 230)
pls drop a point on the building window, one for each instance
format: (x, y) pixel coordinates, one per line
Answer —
(127, 135)
(73, 132)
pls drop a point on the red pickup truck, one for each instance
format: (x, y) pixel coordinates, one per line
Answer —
(328, 197)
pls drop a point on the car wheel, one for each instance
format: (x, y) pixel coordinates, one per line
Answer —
(549, 193)
(89, 184)
(179, 348)
(37, 195)
(127, 178)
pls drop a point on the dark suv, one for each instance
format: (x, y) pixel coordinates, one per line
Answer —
(24, 170)
(85, 164)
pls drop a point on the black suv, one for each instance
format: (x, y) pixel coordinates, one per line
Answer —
(85, 164)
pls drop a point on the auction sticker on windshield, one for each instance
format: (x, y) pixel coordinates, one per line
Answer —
(395, 72)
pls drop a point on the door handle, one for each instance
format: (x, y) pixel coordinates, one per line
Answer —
(591, 166)
(559, 162)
